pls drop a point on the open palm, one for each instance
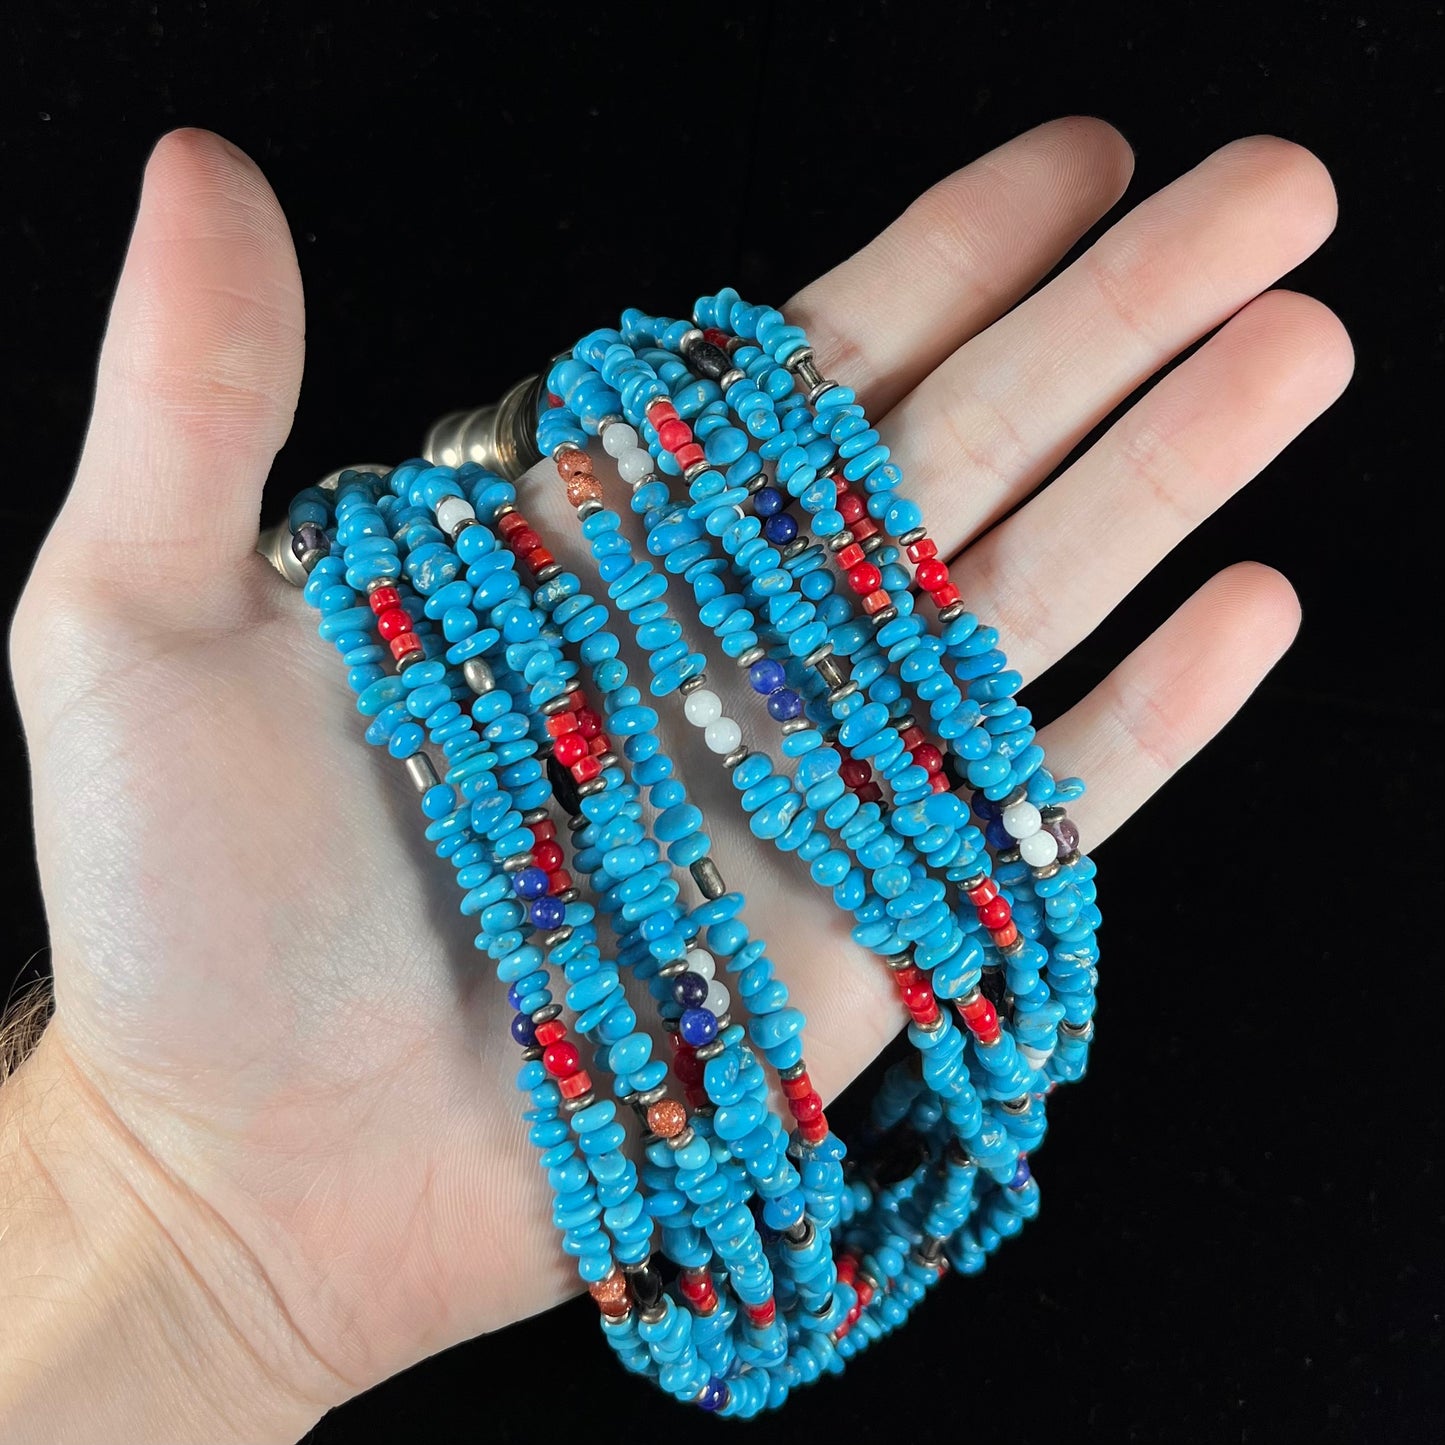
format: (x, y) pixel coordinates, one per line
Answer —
(261, 976)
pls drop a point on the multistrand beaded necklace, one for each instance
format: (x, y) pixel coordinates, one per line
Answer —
(789, 1257)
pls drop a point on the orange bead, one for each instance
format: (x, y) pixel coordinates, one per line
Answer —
(573, 463)
(1006, 936)
(667, 1118)
(876, 602)
(405, 645)
(583, 488)
(610, 1294)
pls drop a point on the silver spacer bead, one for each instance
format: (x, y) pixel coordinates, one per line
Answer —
(871, 544)
(649, 1098)
(1016, 1106)
(1077, 1031)
(607, 760)
(899, 961)
(839, 693)
(802, 357)
(752, 655)
(554, 706)
(952, 612)
(914, 534)
(795, 725)
(710, 1051)
(1009, 855)
(531, 1052)
(551, 570)
(478, 674)
(554, 936)
(608, 421)
(589, 508)
(709, 881)
(1049, 870)
(792, 549)
(672, 970)
(839, 540)
(736, 757)
(421, 772)
(1019, 795)
(516, 862)
(1052, 812)
(568, 895)
(591, 787)
(731, 378)
(693, 683)
(886, 614)
(757, 483)
(546, 1014)
(793, 1071)
(582, 1101)
(816, 656)
(690, 474)
(681, 1141)
(534, 816)
(690, 338)
(831, 670)
(1067, 859)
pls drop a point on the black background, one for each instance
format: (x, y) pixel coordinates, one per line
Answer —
(1242, 1231)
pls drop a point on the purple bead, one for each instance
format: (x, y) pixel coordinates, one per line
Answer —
(1066, 831)
(524, 1030)
(548, 912)
(690, 990)
(529, 883)
(1022, 1174)
(784, 704)
(697, 1026)
(998, 836)
(780, 530)
(769, 502)
(767, 676)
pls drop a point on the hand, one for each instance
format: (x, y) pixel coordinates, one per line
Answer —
(270, 1020)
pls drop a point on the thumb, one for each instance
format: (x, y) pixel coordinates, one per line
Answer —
(198, 379)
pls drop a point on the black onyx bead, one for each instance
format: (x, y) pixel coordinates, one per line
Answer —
(709, 360)
(308, 537)
(564, 786)
(646, 1286)
(900, 1154)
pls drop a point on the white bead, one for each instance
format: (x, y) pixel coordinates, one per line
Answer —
(634, 464)
(618, 438)
(722, 736)
(1038, 850)
(701, 962)
(451, 511)
(718, 999)
(702, 707)
(1022, 820)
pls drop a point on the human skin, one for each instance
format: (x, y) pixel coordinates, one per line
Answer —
(268, 1151)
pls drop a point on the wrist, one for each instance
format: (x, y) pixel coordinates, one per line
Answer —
(128, 1310)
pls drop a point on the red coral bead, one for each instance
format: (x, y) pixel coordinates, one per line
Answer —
(544, 831)
(559, 882)
(383, 599)
(405, 645)
(564, 722)
(946, 596)
(876, 602)
(718, 338)
(798, 1088)
(547, 857)
(525, 541)
(932, 575)
(1006, 936)
(570, 748)
(940, 784)
(928, 758)
(393, 622)
(561, 1059)
(913, 737)
(550, 1032)
(986, 890)
(689, 456)
(762, 1315)
(674, 434)
(816, 1131)
(538, 558)
(864, 578)
(575, 1085)
(585, 770)
(995, 913)
(806, 1109)
(869, 793)
(511, 522)
(855, 772)
(852, 507)
(588, 723)
(660, 410)
(850, 556)
(922, 550)
(864, 528)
